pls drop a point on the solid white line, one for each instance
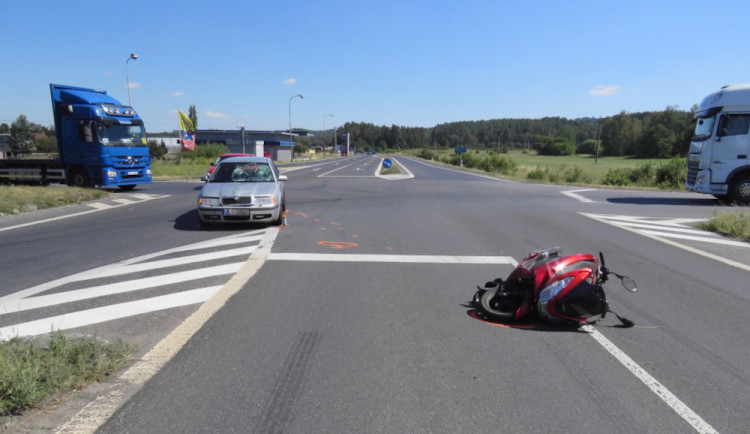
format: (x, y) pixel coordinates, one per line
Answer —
(14, 306)
(107, 313)
(574, 194)
(411, 259)
(662, 392)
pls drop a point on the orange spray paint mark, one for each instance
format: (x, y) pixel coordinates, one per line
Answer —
(339, 245)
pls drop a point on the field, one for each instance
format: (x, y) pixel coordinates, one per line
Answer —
(593, 170)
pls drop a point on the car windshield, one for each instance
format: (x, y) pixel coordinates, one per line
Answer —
(121, 135)
(242, 172)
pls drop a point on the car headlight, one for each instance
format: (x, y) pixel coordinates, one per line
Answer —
(111, 173)
(208, 201)
(264, 200)
(549, 292)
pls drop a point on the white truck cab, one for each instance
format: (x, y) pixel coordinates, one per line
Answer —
(718, 160)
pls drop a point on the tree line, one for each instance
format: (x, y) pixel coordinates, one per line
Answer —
(658, 134)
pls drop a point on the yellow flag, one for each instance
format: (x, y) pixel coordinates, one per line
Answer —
(187, 134)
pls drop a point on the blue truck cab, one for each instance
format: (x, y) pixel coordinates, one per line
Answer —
(100, 141)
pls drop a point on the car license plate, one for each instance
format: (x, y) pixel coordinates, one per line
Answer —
(237, 212)
(132, 173)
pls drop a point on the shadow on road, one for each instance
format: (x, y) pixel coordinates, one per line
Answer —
(189, 222)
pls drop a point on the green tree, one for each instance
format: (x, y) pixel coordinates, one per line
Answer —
(21, 140)
(46, 144)
(193, 115)
(157, 150)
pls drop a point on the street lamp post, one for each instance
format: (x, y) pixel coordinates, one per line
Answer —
(291, 139)
(133, 56)
(324, 128)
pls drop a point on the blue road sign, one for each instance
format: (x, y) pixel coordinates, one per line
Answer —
(461, 149)
(387, 163)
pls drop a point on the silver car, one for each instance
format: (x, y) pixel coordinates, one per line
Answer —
(243, 189)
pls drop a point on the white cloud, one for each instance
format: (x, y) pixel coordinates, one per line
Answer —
(178, 94)
(602, 90)
(134, 85)
(109, 73)
(217, 115)
(290, 81)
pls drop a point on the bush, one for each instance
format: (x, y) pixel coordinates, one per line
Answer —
(537, 174)
(672, 174)
(30, 373)
(497, 164)
(157, 150)
(426, 154)
(210, 151)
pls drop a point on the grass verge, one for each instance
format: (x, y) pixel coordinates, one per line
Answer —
(733, 224)
(31, 373)
(18, 199)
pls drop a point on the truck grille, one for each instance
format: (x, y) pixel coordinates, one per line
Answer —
(122, 162)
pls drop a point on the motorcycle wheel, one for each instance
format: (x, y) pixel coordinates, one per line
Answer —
(500, 307)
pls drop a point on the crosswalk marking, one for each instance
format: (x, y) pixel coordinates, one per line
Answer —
(180, 268)
(674, 228)
(108, 313)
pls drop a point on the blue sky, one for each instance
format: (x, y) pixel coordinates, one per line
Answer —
(408, 63)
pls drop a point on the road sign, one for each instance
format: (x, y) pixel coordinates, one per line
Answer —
(461, 149)
(387, 163)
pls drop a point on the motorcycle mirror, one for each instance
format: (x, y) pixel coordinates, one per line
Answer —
(628, 283)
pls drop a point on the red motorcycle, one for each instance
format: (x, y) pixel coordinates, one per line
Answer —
(555, 287)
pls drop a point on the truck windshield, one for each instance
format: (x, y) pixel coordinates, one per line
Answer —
(704, 128)
(121, 135)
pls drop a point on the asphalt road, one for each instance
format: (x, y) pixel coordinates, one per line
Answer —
(358, 321)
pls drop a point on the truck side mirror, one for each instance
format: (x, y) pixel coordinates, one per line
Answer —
(85, 132)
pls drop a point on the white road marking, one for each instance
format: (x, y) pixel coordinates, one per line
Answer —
(95, 413)
(656, 387)
(107, 313)
(625, 222)
(28, 299)
(574, 194)
(406, 259)
(37, 302)
(97, 206)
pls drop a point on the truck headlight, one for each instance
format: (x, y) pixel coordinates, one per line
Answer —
(208, 201)
(111, 173)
